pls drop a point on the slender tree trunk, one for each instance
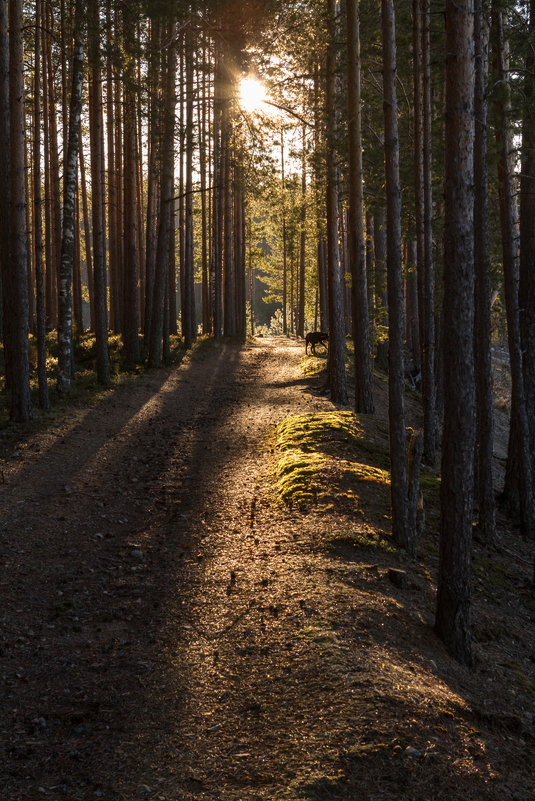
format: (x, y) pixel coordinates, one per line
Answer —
(130, 317)
(15, 277)
(152, 175)
(97, 171)
(428, 278)
(419, 208)
(284, 244)
(188, 300)
(202, 122)
(5, 180)
(337, 345)
(217, 216)
(65, 353)
(166, 198)
(396, 325)
(55, 196)
(87, 241)
(452, 622)
(485, 484)
(303, 240)
(77, 273)
(37, 218)
(527, 234)
(519, 444)
(357, 256)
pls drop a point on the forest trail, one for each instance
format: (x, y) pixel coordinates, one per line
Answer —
(170, 633)
(142, 568)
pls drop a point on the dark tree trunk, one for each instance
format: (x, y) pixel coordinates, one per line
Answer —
(166, 198)
(37, 217)
(130, 316)
(396, 324)
(357, 256)
(337, 344)
(508, 217)
(303, 240)
(15, 277)
(527, 235)
(188, 300)
(485, 484)
(65, 354)
(152, 174)
(428, 277)
(97, 171)
(452, 622)
(4, 169)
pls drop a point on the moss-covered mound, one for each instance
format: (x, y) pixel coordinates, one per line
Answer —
(324, 458)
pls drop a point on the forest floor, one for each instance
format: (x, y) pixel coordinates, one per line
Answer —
(170, 631)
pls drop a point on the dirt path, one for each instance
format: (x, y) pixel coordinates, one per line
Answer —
(168, 633)
(144, 571)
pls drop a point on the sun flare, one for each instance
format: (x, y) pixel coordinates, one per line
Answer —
(252, 94)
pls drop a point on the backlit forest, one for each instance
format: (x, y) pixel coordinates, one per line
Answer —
(172, 170)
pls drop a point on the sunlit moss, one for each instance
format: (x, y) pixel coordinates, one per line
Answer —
(321, 460)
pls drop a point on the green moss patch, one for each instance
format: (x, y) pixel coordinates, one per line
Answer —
(324, 459)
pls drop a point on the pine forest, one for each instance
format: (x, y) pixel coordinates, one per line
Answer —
(267, 400)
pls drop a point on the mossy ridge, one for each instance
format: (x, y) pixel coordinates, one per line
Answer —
(316, 430)
(319, 459)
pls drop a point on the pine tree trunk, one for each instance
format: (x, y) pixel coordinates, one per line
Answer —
(166, 198)
(97, 172)
(428, 278)
(15, 277)
(65, 353)
(452, 622)
(152, 174)
(527, 235)
(485, 484)
(337, 345)
(130, 317)
(396, 324)
(303, 240)
(508, 217)
(4, 179)
(284, 244)
(37, 218)
(357, 256)
(87, 241)
(188, 301)
(55, 193)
